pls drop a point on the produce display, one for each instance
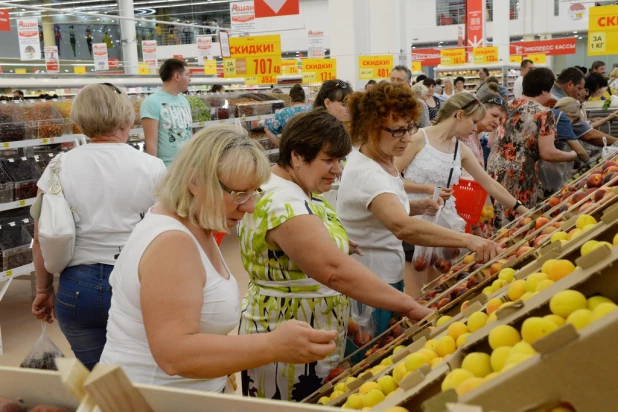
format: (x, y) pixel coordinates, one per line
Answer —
(15, 246)
(25, 174)
(49, 123)
(64, 108)
(12, 126)
(7, 187)
(199, 111)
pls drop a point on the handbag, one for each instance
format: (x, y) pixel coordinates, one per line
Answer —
(56, 222)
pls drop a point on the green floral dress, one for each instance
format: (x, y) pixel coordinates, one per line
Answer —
(279, 291)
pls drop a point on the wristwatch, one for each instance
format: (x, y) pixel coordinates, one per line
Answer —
(517, 204)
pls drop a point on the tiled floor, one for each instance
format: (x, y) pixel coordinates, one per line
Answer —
(20, 329)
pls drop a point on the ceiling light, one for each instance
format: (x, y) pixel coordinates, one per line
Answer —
(575, 32)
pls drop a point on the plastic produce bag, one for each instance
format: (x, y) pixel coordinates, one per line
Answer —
(608, 151)
(555, 174)
(42, 354)
(363, 329)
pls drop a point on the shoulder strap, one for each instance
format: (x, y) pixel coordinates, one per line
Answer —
(425, 134)
(450, 174)
(55, 187)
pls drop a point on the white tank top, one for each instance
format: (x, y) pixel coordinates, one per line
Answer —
(127, 344)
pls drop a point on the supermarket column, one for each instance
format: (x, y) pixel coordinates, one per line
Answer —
(48, 28)
(127, 33)
(501, 29)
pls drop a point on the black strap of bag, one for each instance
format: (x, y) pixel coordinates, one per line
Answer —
(450, 175)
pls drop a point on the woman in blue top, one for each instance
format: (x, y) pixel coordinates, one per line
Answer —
(274, 128)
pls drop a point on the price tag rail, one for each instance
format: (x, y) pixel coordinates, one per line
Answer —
(220, 121)
(67, 138)
(13, 273)
(16, 204)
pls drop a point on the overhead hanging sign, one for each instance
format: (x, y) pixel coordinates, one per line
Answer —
(316, 43)
(603, 31)
(28, 35)
(149, 52)
(51, 59)
(210, 67)
(553, 47)
(258, 56)
(242, 16)
(451, 57)
(319, 70)
(204, 47)
(515, 58)
(416, 67)
(577, 11)
(475, 23)
(79, 69)
(5, 23)
(538, 58)
(289, 67)
(482, 55)
(375, 67)
(427, 57)
(275, 8)
(101, 60)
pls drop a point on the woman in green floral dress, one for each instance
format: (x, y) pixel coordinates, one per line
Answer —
(297, 254)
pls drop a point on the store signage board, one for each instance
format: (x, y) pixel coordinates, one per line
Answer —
(553, 47)
(28, 37)
(204, 47)
(375, 67)
(143, 68)
(79, 69)
(224, 43)
(427, 57)
(258, 56)
(316, 43)
(5, 23)
(178, 56)
(452, 57)
(51, 59)
(210, 67)
(416, 66)
(515, 59)
(538, 58)
(20, 71)
(319, 70)
(149, 52)
(275, 8)
(603, 31)
(475, 23)
(482, 55)
(101, 60)
(289, 67)
(242, 15)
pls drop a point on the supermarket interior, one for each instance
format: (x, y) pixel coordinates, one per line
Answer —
(382, 205)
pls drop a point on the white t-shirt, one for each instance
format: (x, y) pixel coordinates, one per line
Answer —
(111, 187)
(363, 180)
(518, 87)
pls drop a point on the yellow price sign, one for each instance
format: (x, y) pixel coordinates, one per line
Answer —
(319, 70)
(603, 30)
(251, 80)
(22, 202)
(380, 67)
(267, 79)
(44, 141)
(79, 69)
(20, 71)
(417, 66)
(515, 59)
(482, 55)
(143, 69)
(451, 57)
(210, 67)
(289, 67)
(229, 67)
(9, 273)
(255, 56)
(6, 145)
(539, 58)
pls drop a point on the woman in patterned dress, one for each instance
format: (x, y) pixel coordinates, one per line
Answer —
(529, 137)
(296, 251)
(275, 127)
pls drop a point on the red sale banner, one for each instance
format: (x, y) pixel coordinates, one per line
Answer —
(475, 23)
(427, 57)
(553, 47)
(5, 24)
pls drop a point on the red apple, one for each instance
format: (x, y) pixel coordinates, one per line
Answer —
(522, 250)
(548, 230)
(554, 201)
(496, 267)
(586, 208)
(581, 184)
(608, 178)
(576, 198)
(537, 242)
(419, 263)
(599, 194)
(525, 221)
(609, 164)
(540, 222)
(595, 180)
(611, 169)
(443, 302)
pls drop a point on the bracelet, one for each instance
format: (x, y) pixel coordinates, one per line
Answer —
(517, 204)
(46, 288)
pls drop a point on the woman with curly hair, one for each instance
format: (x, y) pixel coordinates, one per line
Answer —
(529, 137)
(372, 202)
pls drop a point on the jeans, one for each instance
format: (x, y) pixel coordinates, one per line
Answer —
(82, 305)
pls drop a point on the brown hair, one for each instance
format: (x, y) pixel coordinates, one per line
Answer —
(310, 132)
(297, 94)
(171, 66)
(493, 86)
(368, 110)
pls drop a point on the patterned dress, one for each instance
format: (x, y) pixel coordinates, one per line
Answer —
(514, 158)
(279, 291)
(282, 116)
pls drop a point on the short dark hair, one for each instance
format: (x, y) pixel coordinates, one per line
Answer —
(597, 64)
(297, 94)
(308, 133)
(493, 79)
(460, 79)
(369, 83)
(429, 82)
(171, 66)
(333, 90)
(524, 63)
(484, 70)
(403, 69)
(570, 74)
(594, 81)
(19, 92)
(538, 81)
(216, 88)
(420, 78)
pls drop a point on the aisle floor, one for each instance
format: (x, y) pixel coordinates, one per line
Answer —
(20, 329)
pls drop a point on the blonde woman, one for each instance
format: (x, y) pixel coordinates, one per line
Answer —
(175, 300)
(421, 92)
(110, 185)
(613, 80)
(448, 88)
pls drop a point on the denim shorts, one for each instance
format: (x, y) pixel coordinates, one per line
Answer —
(82, 305)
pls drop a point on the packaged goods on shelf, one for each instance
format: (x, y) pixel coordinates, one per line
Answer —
(15, 246)
(137, 101)
(25, 174)
(64, 108)
(13, 127)
(49, 123)
(200, 112)
(7, 187)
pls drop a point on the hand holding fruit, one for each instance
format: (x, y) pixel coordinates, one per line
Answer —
(296, 342)
(417, 312)
(485, 249)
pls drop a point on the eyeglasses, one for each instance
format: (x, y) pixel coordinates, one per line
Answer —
(399, 133)
(117, 90)
(240, 198)
(470, 103)
(497, 100)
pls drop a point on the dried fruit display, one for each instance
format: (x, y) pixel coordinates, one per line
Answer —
(24, 174)
(49, 123)
(64, 108)
(12, 126)
(15, 245)
(200, 112)
(137, 102)
(6, 187)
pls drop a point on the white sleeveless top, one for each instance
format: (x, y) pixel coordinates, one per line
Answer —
(127, 344)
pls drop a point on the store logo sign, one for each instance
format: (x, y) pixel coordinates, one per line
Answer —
(275, 8)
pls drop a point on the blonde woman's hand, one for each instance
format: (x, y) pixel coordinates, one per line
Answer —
(296, 342)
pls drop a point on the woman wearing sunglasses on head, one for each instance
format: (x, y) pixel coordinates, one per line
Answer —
(296, 251)
(109, 185)
(434, 158)
(175, 300)
(333, 96)
(372, 202)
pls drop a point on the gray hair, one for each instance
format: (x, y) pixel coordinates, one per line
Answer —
(401, 68)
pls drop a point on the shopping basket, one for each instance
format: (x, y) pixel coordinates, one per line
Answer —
(470, 198)
(218, 237)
